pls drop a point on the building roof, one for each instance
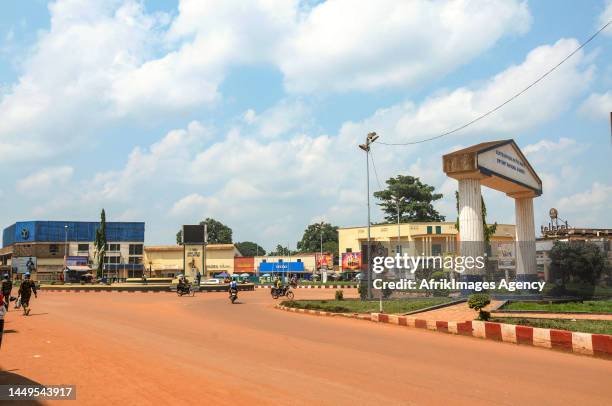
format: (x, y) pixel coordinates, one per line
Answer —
(417, 223)
(170, 248)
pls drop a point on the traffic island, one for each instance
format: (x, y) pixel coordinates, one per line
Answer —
(597, 345)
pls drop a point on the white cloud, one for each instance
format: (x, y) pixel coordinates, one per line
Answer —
(589, 207)
(45, 180)
(103, 61)
(437, 114)
(605, 17)
(359, 45)
(597, 106)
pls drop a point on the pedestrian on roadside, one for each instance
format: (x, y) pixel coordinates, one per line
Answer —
(7, 286)
(198, 277)
(25, 291)
(2, 313)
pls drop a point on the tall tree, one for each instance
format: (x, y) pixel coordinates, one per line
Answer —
(311, 239)
(218, 233)
(489, 230)
(250, 249)
(417, 202)
(280, 250)
(577, 262)
(100, 245)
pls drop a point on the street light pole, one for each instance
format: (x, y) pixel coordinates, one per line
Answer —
(65, 246)
(371, 137)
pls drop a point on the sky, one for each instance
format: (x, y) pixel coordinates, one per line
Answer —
(251, 112)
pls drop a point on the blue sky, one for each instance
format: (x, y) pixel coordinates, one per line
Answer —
(250, 112)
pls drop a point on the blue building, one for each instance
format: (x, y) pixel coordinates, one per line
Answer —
(47, 248)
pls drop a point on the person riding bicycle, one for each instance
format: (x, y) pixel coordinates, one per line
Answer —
(233, 288)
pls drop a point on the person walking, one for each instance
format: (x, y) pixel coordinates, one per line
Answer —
(198, 277)
(26, 289)
(2, 313)
(7, 286)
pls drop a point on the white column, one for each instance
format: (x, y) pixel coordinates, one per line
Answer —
(471, 229)
(525, 239)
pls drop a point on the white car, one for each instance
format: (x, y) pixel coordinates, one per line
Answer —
(213, 281)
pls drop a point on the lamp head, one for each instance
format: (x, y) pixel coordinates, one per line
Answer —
(365, 147)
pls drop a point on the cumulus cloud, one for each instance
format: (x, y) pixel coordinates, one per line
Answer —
(408, 121)
(44, 180)
(597, 106)
(605, 17)
(586, 208)
(346, 45)
(104, 61)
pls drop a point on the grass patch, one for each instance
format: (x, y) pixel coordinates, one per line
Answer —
(583, 326)
(588, 306)
(368, 306)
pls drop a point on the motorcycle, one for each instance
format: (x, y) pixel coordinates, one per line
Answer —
(189, 291)
(282, 291)
(233, 295)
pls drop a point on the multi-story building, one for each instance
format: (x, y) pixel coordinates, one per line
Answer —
(50, 248)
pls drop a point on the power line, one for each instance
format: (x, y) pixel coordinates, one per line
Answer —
(591, 38)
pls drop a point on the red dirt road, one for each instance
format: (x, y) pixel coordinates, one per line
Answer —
(157, 348)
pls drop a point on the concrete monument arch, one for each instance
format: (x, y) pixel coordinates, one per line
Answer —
(502, 166)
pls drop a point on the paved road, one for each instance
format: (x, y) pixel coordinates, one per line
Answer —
(156, 348)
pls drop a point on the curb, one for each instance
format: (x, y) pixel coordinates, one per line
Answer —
(597, 345)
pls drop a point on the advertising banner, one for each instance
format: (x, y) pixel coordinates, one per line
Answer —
(351, 261)
(505, 255)
(244, 264)
(24, 264)
(324, 261)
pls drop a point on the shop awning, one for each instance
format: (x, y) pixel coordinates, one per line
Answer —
(79, 268)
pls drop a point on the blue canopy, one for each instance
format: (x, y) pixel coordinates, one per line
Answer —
(222, 275)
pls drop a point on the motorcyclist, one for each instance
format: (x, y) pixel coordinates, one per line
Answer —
(183, 285)
(233, 288)
(278, 285)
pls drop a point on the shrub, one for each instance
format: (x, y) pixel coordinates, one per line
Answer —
(339, 295)
(479, 301)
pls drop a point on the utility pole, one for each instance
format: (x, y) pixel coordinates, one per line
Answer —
(371, 137)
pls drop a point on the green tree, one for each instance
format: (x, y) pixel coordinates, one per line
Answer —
(250, 249)
(218, 233)
(489, 230)
(417, 203)
(100, 245)
(280, 250)
(311, 239)
(577, 262)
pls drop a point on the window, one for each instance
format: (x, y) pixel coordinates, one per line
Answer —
(429, 229)
(83, 248)
(112, 260)
(436, 250)
(53, 249)
(135, 260)
(135, 249)
(264, 260)
(299, 260)
(438, 229)
(349, 250)
(114, 247)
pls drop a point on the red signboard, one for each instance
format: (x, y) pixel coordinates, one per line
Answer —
(244, 264)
